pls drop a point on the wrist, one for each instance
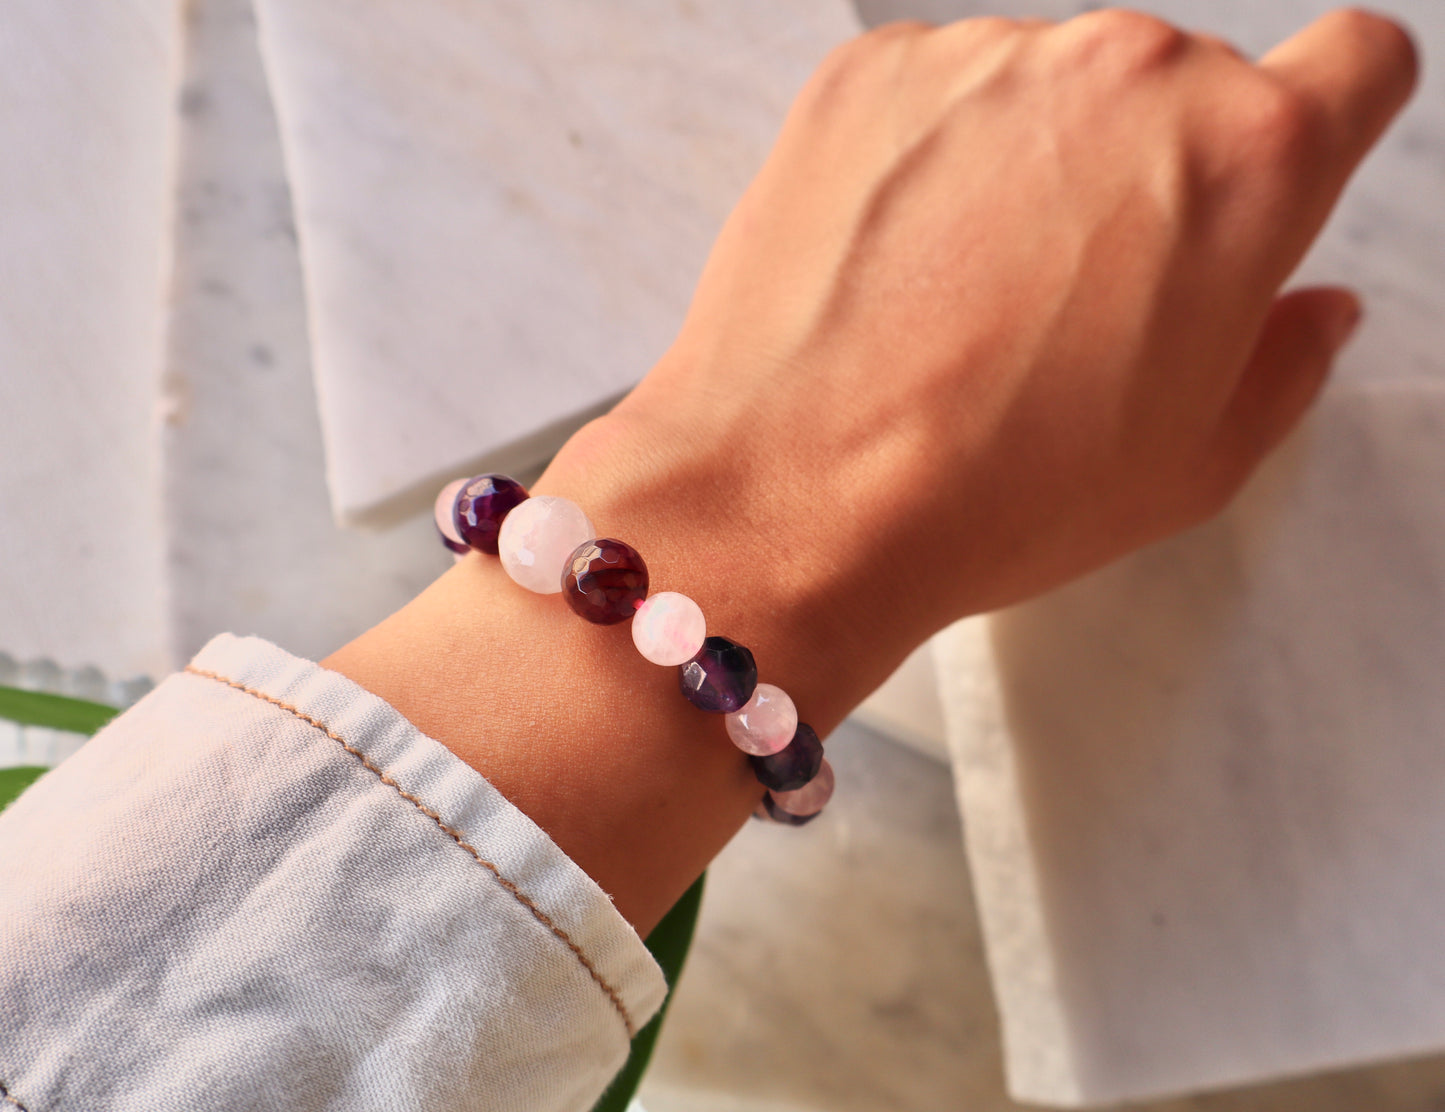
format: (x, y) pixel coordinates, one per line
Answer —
(577, 730)
(714, 522)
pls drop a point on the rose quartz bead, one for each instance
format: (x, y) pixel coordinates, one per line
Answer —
(537, 538)
(766, 723)
(669, 628)
(811, 797)
(445, 519)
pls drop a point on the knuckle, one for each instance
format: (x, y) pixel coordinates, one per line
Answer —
(1131, 40)
(1389, 38)
(1387, 33)
(1280, 123)
(985, 27)
(854, 55)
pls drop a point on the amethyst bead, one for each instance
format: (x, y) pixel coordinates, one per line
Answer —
(481, 505)
(769, 809)
(790, 768)
(720, 678)
(605, 581)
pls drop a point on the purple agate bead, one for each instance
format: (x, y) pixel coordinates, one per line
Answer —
(790, 768)
(481, 505)
(720, 678)
(605, 581)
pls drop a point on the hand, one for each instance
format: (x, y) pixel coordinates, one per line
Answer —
(1001, 306)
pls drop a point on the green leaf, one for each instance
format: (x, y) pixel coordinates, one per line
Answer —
(669, 942)
(13, 781)
(59, 712)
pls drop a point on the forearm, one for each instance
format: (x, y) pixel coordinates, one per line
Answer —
(570, 723)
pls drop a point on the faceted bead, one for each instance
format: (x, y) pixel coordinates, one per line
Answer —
(537, 538)
(605, 581)
(720, 678)
(444, 514)
(771, 810)
(482, 505)
(792, 767)
(811, 797)
(766, 723)
(669, 628)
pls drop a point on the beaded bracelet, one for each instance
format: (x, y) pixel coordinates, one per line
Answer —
(547, 545)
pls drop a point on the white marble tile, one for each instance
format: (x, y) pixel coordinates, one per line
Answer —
(85, 189)
(252, 547)
(503, 208)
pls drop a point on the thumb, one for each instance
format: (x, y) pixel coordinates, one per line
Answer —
(1286, 370)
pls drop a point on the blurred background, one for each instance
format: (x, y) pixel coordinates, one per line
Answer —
(272, 272)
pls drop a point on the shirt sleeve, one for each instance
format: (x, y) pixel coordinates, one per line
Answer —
(263, 888)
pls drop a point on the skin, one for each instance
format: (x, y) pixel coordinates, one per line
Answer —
(1002, 305)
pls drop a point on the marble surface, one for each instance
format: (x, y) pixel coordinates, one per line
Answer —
(503, 208)
(843, 966)
(1204, 803)
(84, 252)
(250, 542)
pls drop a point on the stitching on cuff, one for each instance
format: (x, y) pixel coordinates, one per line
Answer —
(521, 897)
(11, 1101)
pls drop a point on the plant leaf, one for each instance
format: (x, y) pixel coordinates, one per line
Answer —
(669, 942)
(13, 781)
(59, 712)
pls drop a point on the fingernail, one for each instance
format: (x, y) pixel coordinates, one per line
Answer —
(1342, 325)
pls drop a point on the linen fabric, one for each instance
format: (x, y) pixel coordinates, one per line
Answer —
(263, 888)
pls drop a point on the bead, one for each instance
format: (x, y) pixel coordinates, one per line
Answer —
(770, 810)
(605, 581)
(792, 767)
(811, 797)
(720, 677)
(444, 514)
(766, 723)
(482, 505)
(669, 628)
(536, 539)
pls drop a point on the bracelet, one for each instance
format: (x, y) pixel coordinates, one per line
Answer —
(547, 545)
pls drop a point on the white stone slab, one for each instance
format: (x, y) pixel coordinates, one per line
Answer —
(503, 208)
(1209, 845)
(85, 193)
(252, 546)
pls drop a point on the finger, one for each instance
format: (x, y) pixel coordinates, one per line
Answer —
(1356, 69)
(1290, 362)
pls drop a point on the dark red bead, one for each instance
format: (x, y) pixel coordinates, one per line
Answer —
(481, 505)
(605, 581)
(794, 765)
(720, 678)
